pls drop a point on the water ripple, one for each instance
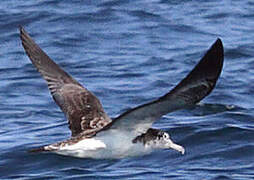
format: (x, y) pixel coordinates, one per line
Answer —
(129, 53)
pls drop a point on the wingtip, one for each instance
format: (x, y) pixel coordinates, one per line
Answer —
(218, 43)
(219, 40)
(215, 53)
(21, 29)
(22, 33)
(214, 57)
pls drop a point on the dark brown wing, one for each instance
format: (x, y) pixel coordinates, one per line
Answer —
(83, 110)
(192, 89)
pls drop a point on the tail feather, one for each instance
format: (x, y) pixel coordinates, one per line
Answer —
(39, 149)
(47, 148)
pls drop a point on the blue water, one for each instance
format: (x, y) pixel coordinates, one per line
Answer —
(128, 53)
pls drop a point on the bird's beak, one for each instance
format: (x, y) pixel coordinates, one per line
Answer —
(176, 147)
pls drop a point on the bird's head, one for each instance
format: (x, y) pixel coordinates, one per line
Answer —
(158, 139)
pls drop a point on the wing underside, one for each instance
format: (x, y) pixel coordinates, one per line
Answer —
(192, 89)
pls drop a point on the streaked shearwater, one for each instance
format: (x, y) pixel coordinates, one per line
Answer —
(94, 133)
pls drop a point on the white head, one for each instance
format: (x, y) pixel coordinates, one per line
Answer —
(164, 141)
(158, 139)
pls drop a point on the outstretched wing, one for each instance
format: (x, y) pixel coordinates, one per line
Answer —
(193, 88)
(83, 110)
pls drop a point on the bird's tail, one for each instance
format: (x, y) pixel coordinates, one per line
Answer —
(47, 148)
(39, 149)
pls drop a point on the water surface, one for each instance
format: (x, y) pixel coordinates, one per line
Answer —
(128, 53)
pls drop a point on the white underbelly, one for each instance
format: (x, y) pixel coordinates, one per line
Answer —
(84, 149)
(106, 145)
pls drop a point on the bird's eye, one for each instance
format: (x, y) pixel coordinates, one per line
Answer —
(165, 135)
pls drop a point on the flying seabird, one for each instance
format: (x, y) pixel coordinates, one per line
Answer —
(94, 134)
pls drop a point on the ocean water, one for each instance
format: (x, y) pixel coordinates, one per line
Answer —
(128, 53)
